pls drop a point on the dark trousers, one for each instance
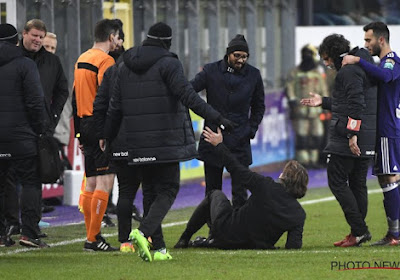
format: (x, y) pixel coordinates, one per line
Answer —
(213, 176)
(215, 210)
(129, 179)
(160, 187)
(26, 171)
(347, 177)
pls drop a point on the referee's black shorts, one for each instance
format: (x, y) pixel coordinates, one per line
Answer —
(97, 162)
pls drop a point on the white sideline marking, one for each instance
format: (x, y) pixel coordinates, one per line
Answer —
(268, 252)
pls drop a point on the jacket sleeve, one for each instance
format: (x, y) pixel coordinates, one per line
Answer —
(383, 74)
(353, 81)
(60, 93)
(100, 104)
(114, 112)
(199, 82)
(249, 179)
(326, 103)
(34, 97)
(257, 106)
(294, 238)
(172, 73)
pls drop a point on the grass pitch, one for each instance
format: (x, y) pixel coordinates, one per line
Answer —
(318, 259)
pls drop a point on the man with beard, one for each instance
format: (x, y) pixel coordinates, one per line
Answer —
(234, 88)
(387, 160)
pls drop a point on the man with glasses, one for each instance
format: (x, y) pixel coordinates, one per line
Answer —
(236, 90)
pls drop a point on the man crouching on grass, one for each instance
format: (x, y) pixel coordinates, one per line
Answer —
(271, 210)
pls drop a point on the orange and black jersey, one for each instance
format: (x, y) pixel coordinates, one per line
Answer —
(89, 71)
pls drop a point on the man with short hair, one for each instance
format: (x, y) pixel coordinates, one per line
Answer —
(234, 88)
(89, 70)
(387, 160)
(21, 108)
(271, 210)
(351, 139)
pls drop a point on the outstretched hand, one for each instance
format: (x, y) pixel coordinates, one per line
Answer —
(212, 137)
(314, 101)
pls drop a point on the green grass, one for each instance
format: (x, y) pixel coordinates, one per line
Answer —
(324, 225)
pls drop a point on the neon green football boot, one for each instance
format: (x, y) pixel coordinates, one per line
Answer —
(142, 244)
(162, 255)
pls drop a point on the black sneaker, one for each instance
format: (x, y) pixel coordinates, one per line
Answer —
(107, 222)
(33, 243)
(98, 245)
(136, 214)
(181, 244)
(6, 241)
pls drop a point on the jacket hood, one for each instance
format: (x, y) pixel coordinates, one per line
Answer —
(140, 59)
(363, 53)
(8, 52)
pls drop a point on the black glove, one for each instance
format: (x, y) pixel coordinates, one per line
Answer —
(226, 124)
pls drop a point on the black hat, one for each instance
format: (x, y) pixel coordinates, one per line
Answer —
(160, 31)
(237, 44)
(8, 33)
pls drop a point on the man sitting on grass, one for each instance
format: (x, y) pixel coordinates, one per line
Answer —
(271, 210)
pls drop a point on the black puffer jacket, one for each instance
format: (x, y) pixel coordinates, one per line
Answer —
(152, 96)
(21, 103)
(354, 96)
(54, 83)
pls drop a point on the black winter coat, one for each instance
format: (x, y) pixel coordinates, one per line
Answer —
(354, 96)
(269, 212)
(152, 96)
(54, 83)
(239, 97)
(21, 104)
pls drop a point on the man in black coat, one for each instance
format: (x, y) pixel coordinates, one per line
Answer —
(151, 98)
(271, 210)
(22, 114)
(351, 140)
(234, 88)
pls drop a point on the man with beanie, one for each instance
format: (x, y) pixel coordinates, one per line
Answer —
(151, 99)
(234, 88)
(22, 111)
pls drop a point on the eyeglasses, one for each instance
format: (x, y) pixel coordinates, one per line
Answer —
(240, 56)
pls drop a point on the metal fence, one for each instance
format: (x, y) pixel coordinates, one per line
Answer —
(201, 29)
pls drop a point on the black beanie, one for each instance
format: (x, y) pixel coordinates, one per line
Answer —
(237, 44)
(160, 31)
(8, 33)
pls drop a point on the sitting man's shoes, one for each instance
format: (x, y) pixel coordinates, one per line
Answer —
(107, 222)
(142, 244)
(42, 234)
(182, 243)
(6, 241)
(355, 241)
(136, 214)
(202, 242)
(13, 230)
(100, 245)
(127, 247)
(31, 242)
(47, 208)
(162, 255)
(339, 243)
(388, 240)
